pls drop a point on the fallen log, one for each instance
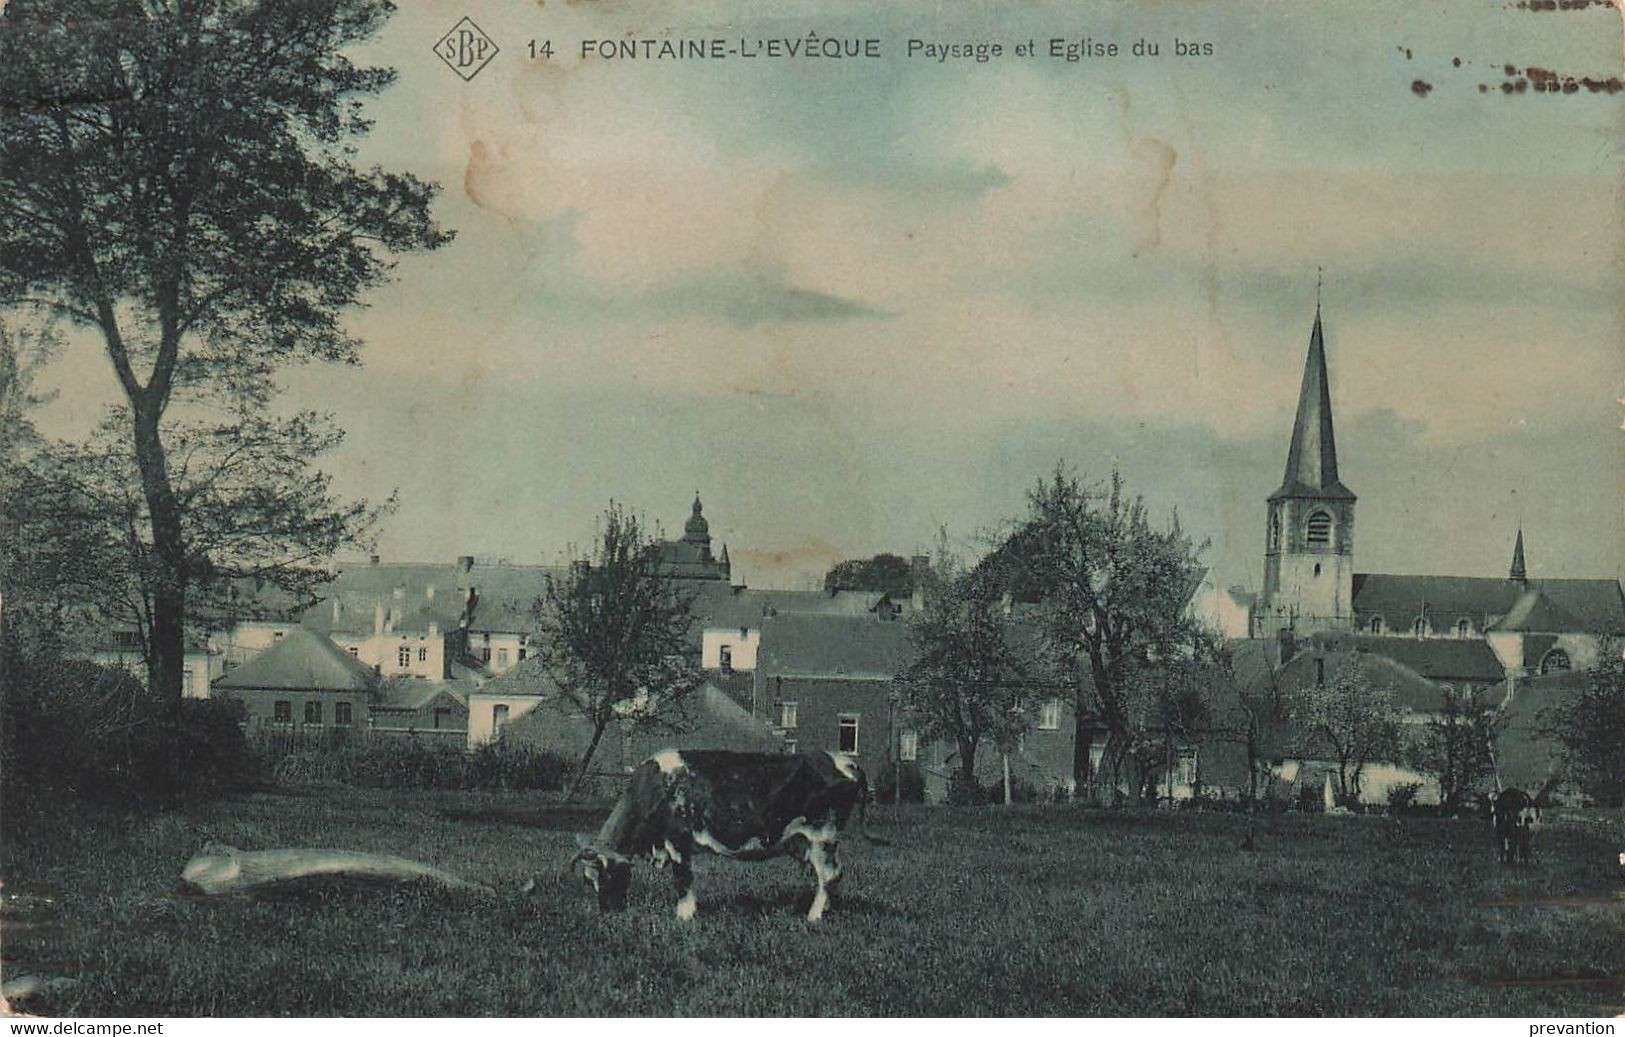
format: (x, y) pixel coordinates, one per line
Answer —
(219, 868)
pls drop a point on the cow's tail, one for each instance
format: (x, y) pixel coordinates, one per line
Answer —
(865, 797)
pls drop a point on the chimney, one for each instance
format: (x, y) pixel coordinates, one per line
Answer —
(465, 562)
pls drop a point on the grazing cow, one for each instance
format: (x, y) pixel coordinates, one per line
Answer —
(1514, 815)
(749, 806)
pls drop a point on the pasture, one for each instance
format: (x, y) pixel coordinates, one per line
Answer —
(988, 911)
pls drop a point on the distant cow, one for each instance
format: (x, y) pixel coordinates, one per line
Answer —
(749, 806)
(1514, 815)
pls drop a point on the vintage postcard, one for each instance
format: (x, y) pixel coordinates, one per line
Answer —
(602, 508)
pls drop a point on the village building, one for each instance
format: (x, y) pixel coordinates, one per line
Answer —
(1482, 636)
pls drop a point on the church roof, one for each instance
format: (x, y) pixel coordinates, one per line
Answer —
(1536, 612)
(1594, 606)
(301, 660)
(1311, 460)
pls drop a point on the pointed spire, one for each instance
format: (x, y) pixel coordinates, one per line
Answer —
(1311, 460)
(1519, 573)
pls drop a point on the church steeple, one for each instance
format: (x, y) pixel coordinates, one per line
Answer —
(1311, 459)
(1309, 539)
(1519, 574)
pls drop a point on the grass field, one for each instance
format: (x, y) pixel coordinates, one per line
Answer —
(1028, 911)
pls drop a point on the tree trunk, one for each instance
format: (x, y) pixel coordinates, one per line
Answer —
(586, 758)
(967, 761)
(166, 645)
(1082, 742)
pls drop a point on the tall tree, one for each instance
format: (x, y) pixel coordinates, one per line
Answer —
(614, 634)
(1591, 728)
(1355, 719)
(178, 177)
(1457, 746)
(884, 572)
(1113, 591)
(965, 684)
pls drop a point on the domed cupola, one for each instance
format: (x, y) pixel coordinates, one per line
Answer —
(696, 530)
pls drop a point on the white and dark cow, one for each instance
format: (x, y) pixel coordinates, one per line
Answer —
(1514, 816)
(748, 806)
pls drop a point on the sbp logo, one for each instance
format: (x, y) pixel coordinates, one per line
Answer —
(466, 49)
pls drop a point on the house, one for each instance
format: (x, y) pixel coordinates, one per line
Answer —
(304, 681)
(419, 708)
(123, 647)
(708, 719)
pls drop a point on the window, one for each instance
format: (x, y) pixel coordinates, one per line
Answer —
(521, 655)
(1275, 529)
(1376, 624)
(186, 677)
(1049, 715)
(127, 640)
(1420, 627)
(846, 728)
(1187, 768)
(278, 635)
(908, 746)
(313, 711)
(404, 656)
(423, 655)
(282, 711)
(355, 653)
(1556, 661)
(792, 746)
(1464, 628)
(787, 715)
(485, 654)
(502, 658)
(343, 714)
(1319, 530)
(442, 718)
(726, 653)
(499, 720)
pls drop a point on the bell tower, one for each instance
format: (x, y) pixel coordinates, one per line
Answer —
(1309, 529)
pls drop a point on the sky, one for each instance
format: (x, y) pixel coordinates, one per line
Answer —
(852, 301)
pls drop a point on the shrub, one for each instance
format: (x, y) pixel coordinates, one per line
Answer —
(412, 763)
(1402, 797)
(78, 730)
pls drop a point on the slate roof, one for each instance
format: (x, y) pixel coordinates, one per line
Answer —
(1311, 461)
(1536, 612)
(530, 677)
(1597, 606)
(1450, 660)
(501, 602)
(415, 694)
(1412, 691)
(717, 605)
(800, 645)
(302, 660)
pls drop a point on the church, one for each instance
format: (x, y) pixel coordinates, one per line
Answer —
(1445, 628)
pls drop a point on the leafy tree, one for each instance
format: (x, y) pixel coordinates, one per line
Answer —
(255, 512)
(177, 177)
(614, 634)
(1591, 729)
(890, 573)
(1169, 703)
(965, 683)
(1457, 746)
(1356, 721)
(1113, 592)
